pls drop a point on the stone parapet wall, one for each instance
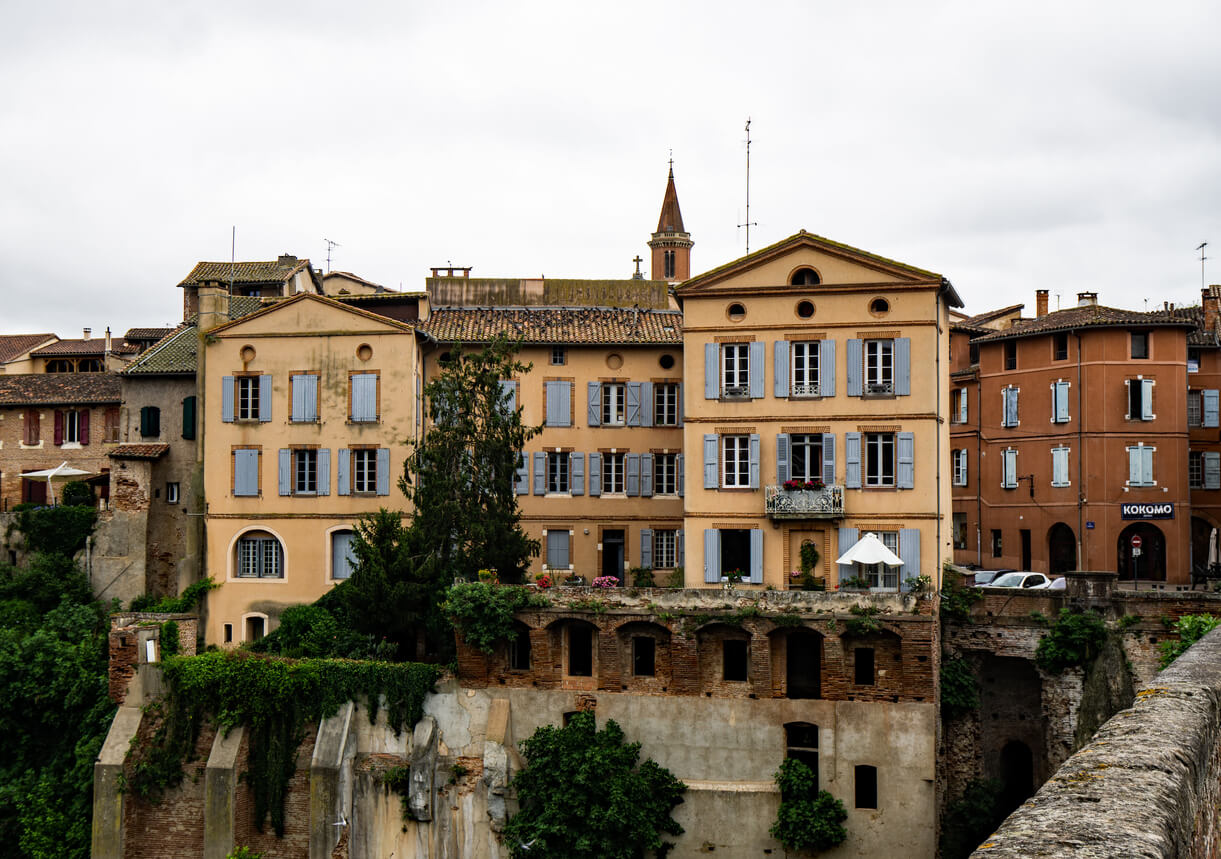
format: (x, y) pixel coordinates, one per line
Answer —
(128, 633)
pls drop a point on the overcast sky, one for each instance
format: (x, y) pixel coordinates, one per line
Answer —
(1009, 146)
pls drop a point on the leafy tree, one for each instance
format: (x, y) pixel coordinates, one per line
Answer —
(1191, 628)
(583, 795)
(808, 818)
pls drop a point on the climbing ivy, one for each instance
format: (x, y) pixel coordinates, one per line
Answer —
(1075, 638)
(957, 598)
(60, 529)
(169, 639)
(864, 620)
(959, 688)
(483, 612)
(185, 602)
(274, 699)
(808, 819)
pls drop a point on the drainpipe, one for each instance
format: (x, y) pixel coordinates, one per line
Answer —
(979, 466)
(1080, 462)
(937, 339)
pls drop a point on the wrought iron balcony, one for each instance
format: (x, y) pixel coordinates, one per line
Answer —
(825, 503)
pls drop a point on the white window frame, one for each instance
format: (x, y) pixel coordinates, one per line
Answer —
(880, 576)
(1141, 380)
(808, 443)
(305, 471)
(172, 492)
(735, 370)
(72, 426)
(874, 470)
(613, 473)
(804, 379)
(246, 398)
(614, 404)
(259, 557)
(879, 359)
(364, 471)
(960, 406)
(665, 474)
(1061, 452)
(559, 479)
(665, 404)
(330, 547)
(665, 543)
(559, 356)
(735, 461)
(960, 467)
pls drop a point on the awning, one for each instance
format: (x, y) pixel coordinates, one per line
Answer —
(870, 550)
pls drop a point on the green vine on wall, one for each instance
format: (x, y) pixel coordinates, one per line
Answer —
(959, 688)
(864, 620)
(1191, 628)
(56, 529)
(483, 612)
(273, 698)
(957, 598)
(186, 602)
(1075, 638)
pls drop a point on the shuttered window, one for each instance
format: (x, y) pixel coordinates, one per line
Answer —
(363, 397)
(246, 472)
(304, 397)
(1009, 407)
(558, 550)
(343, 561)
(557, 397)
(1059, 402)
(1140, 466)
(150, 422)
(1009, 468)
(1059, 467)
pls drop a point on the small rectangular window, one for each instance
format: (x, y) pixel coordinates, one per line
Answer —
(1010, 354)
(1140, 344)
(580, 651)
(1193, 360)
(558, 356)
(665, 405)
(1060, 347)
(557, 472)
(247, 398)
(364, 470)
(665, 473)
(519, 651)
(863, 661)
(735, 659)
(960, 530)
(1195, 469)
(171, 493)
(996, 542)
(612, 473)
(305, 472)
(1195, 408)
(644, 650)
(614, 404)
(866, 782)
(228, 633)
(973, 353)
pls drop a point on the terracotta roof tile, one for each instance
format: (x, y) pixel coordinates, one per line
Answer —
(92, 346)
(555, 324)
(139, 451)
(53, 389)
(270, 271)
(175, 353)
(1090, 316)
(146, 333)
(979, 319)
(13, 346)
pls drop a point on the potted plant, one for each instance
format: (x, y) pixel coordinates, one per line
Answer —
(606, 582)
(489, 577)
(574, 580)
(805, 578)
(543, 581)
(732, 577)
(854, 583)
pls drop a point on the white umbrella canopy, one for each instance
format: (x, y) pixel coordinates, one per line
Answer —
(63, 471)
(870, 550)
(1212, 548)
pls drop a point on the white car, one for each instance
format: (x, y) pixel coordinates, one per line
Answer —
(1020, 580)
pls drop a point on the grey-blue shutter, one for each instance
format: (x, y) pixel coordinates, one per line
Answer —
(710, 461)
(1134, 466)
(681, 478)
(852, 460)
(828, 458)
(551, 403)
(264, 398)
(1011, 407)
(646, 475)
(906, 476)
(782, 457)
(1059, 466)
(286, 471)
(756, 556)
(521, 479)
(595, 404)
(909, 553)
(847, 539)
(576, 473)
(903, 366)
(757, 369)
(540, 474)
(342, 559)
(1061, 404)
(226, 399)
(680, 404)
(245, 472)
(754, 460)
(383, 471)
(826, 368)
(595, 474)
(712, 555)
(324, 471)
(564, 415)
(419, 406)
(1146, 399)
(646, 404)
(632, 392)
(557, 549)
(1212, 470)
(646, 547)
(343, 472)
(780, 368)
(1146, 466)
(712, 388)
(855, 358)
(680, 548)
(631, 468)
(508, 395)
(305, 397)
(364, 397)
(1211, 410)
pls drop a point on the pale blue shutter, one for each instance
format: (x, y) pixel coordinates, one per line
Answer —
(711, 378)
(754, 461)
(557, 550)
(780, 368)
(757, 370)
(595, 474)
(828, 458)
(1061, 402)
(1146, 465)
(1011, 406)
(906, 477)
(903, 366)
(962, 405)
(564, 415)
(1009, 469)
(962, 467)
(521, 477)
(756, 556)
(646, 404)
(226, 399)
(551, 404)
(264, 398)
(782, 457)
(576, 473)
(679, 465)
(1059, 466)
(595, 404)
(646, 547)
(909, 553)
(343, 562)
(508, 396)
(364, 397)
(680, 548)
(305, 397)
(1212, 470)
(847, 539)
(324, 471)
(540, 474)
(680, 404)
(1146, 399)
(286, 471)
(855, 359)
(383, 471)
(245, 472)
(631, 468)
(852, 460)
(712, 555)
(632, 390)
(826, 368)
(710, 462)
(343, 472)
(646, 475)
(1211, 410)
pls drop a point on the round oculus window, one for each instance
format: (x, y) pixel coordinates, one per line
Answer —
(736, 312)
(879, 305)
(805, 309)
(666, 362)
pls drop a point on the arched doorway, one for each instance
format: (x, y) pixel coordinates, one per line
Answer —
(1061, 549)
(1150, 564)
(803, 664)
(1017, 775)
(1201, 530)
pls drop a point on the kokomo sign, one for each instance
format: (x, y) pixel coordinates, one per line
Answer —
(1147, 511)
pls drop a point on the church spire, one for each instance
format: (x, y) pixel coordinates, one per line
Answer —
(671, 244)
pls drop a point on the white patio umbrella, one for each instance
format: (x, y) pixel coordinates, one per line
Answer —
(63, 471)
(870, 550)
(1212, 548)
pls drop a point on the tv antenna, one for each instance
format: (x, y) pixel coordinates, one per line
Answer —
(1201, 248)
(330, 245)
(749, 223)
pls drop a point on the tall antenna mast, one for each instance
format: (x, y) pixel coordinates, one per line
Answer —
(748, 223)
(232, 263)
(330, 245)
(1203, 282)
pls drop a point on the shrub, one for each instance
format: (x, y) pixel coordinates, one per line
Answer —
(642, 577)
(483, 613)
(959, 689)
(186, 602)
(808, 819)
(77, 494)
(169, 639)
(1074, 639)
(956, 598)
(1191, 628)
(677, 578)
(56, 529)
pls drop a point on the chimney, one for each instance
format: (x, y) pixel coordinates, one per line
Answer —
(1040, 302)
(1211, 306)
(88, 331)
(1086, 299)
(107, 339)
(213, 306)
(287, 259)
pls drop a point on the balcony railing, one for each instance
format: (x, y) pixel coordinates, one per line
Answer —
(825, 503)
(809, 389)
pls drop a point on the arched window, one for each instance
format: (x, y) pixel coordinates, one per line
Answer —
(805, 277)
(669, 264)
(259, 556)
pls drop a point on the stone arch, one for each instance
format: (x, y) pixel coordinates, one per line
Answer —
(1016, 767)
(575, 640)
(873, 664)
(1201, 529)
(1150, 565)
(721, 649)
(644, 656)
(1061, 549)
(797, 658)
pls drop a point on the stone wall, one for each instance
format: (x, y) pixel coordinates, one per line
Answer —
(129, 632)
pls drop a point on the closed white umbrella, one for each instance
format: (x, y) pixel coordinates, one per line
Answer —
(870, 550)
(1212, 548)
(60, 472)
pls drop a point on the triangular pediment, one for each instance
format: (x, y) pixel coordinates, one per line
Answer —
(835, 263)
(308, 315)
